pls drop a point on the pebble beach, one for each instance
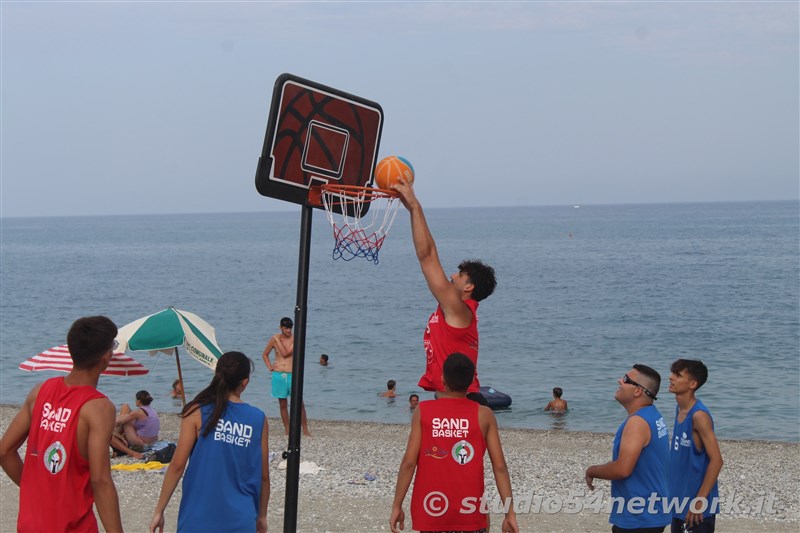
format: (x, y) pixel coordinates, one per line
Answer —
(348, 473)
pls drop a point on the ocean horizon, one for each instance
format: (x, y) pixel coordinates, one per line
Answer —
(583, 293)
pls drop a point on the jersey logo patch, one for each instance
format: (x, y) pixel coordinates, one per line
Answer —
(462, 452)
(436, 453)
(55, 457)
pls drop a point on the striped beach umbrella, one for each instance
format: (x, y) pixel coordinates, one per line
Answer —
(168, 329)
(59, 359)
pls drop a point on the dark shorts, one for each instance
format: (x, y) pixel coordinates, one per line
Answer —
(708, 525)
(617, 529)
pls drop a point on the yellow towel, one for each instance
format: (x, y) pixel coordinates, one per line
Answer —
(152, 465)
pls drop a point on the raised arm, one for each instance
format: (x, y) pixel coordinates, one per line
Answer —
(407, 467)
(499, 467)
(190, 427)
(635, 436)
(456, 312)
(99, 416)
(15, 435)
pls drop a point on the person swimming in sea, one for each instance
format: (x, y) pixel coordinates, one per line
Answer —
(556, 406)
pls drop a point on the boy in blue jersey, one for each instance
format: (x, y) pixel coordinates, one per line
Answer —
(640, 457)
(695, 460)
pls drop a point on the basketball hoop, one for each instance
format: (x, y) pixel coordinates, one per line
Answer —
(354, 235)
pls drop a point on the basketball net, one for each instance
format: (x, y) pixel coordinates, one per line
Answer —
(354, 235)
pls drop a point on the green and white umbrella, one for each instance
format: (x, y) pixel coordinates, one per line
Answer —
(168, 329)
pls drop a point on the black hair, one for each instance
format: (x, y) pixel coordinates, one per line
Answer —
(391, 384)
(286, 322)
(89, 338)
(653, 376)
(481, 276)
(414, 396)
(694, 367)
(324, 357)
(557, 392)
(458, 372)
(144, 397)
(232, 369)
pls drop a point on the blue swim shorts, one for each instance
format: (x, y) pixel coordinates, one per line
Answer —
(281, 385)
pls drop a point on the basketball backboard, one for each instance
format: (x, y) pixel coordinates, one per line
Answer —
(316, 135)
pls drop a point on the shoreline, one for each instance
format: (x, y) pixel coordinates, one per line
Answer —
(546, 468)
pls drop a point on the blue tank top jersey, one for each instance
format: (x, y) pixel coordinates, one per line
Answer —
(688, 465)
(222, 484)
(637, 500)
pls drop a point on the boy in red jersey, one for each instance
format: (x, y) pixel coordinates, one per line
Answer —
(449, 437)
(67, 423)
(453, 326)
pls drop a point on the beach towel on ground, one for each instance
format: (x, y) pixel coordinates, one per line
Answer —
(153, 466)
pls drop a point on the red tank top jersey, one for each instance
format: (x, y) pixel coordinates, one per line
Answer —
(441, 340)
(449, 467)
(55, 490)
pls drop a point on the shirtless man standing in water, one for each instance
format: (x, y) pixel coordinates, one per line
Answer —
(283, 344)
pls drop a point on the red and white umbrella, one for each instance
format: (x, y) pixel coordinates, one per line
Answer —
(59, 359)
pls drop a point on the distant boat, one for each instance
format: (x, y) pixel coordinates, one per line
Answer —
(576, 206)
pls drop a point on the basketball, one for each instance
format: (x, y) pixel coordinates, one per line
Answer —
(390, 168)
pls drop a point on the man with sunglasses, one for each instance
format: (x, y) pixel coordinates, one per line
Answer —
(695, 459)
(67, 423)
(640, 457)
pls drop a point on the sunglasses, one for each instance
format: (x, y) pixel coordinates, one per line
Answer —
(626, 379)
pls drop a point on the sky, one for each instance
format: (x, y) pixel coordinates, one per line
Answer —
(161, 107)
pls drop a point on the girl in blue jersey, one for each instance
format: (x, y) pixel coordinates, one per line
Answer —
(226, 487)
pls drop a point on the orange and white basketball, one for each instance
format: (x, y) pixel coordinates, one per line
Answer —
(390, 168)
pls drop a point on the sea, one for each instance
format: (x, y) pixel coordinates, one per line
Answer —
(584, 292)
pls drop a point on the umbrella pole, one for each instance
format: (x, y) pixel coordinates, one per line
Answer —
(180, 377)
(292, 455)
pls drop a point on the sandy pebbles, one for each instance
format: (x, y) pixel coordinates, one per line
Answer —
(356, 465)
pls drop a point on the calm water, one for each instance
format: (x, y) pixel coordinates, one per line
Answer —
(642, 283)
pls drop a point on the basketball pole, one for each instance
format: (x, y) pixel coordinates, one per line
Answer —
(292, 454)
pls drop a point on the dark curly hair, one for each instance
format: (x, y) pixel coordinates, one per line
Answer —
(481, 276)
(89, 339)
(695, 368)
(458, 372)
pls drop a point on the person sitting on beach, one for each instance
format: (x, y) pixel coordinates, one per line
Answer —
(225, 442)
(323, 359)
(67, 424)
(413, 401)
(140, 426)
(448, 440)
(177, 389)
(695, 459)
(390, 386)
(557, 405)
